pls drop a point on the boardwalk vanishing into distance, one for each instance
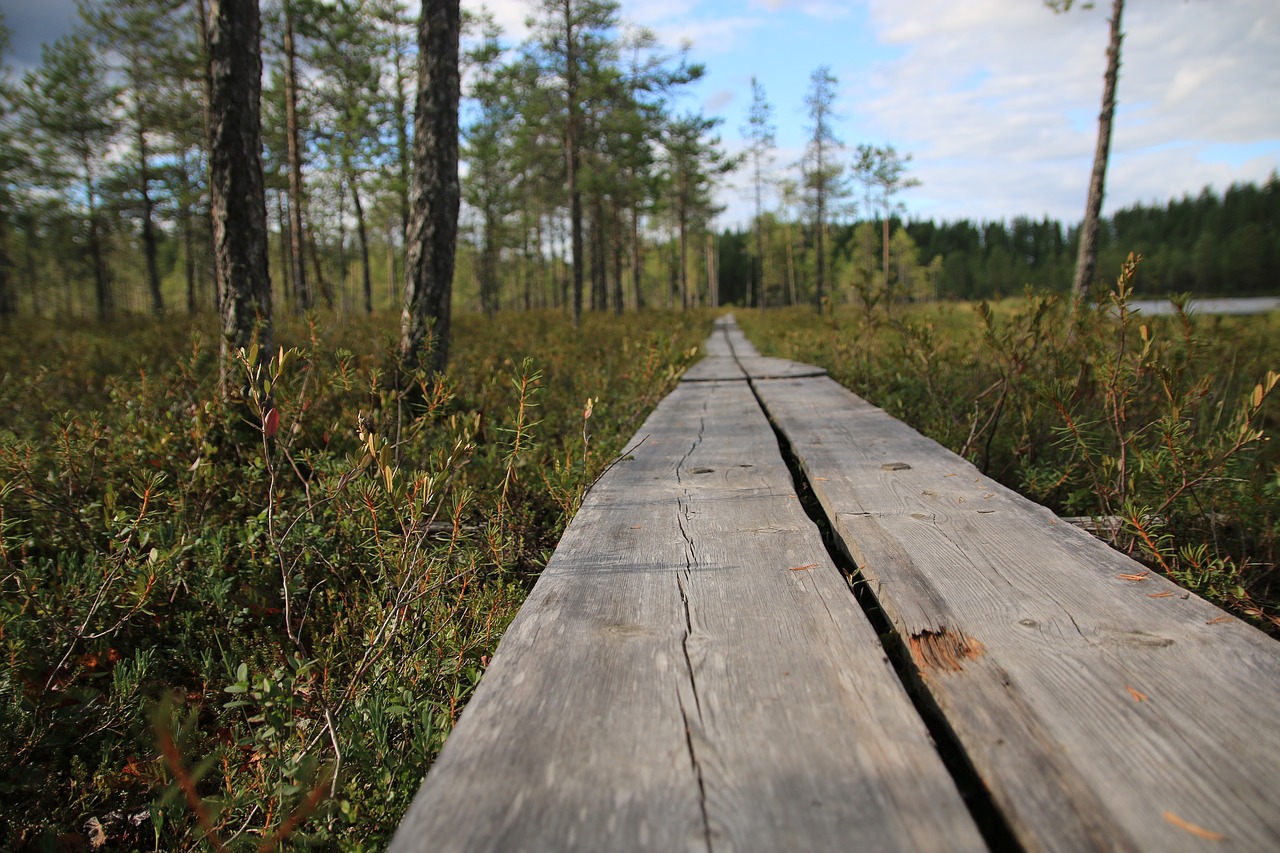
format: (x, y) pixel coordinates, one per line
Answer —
(788, 621)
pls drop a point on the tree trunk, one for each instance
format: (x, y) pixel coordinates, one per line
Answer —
(571, 157)
(8, 299)
(1087, 258)
(286, 274)
(148, 212)
(888, 295)
(487, 269)
(236, 195)
(791, 265)
(757, 270)
(101, 283)
(206, 85)
(294, 154)
(618, 299)
(683, 224)
(821, 227)
(186, 230)
(436, 194)
(599, 285)
(637, 258)
(362, 235)
(326, 287)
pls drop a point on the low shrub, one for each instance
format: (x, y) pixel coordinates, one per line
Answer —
(1160, 427)
(231, 624)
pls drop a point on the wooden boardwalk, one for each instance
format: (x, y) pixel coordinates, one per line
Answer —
(692, 671)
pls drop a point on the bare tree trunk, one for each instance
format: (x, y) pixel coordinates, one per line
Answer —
(637, 259)
(186, 230)
(101, 283)
(436, 194)
(683, 224)
(206, 84)
(791, 265)
(148, 213)
(599, 285)
(618, 300)
(363, 235)
(1087, 258)
(294, 154)
(571, 157)
(821, 237)
(286, 262)
(236, 194)
(888, 296)
(8, 299)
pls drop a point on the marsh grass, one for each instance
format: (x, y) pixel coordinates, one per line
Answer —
(1160, 428)
(237, 625)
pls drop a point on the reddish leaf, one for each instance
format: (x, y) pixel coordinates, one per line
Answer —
(271, 422)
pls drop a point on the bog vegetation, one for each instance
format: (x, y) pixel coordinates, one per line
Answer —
(1155, 432)
(104, 192)
(241, 626)
(235, 622)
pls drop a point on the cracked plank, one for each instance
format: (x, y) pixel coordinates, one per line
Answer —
(672, 684)
(1032, 642)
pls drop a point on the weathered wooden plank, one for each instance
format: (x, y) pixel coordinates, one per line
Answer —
(690, 672)
(731, 356)
(1104, 707)
(715, 368)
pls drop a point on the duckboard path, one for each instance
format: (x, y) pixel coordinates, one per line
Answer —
(692, 670)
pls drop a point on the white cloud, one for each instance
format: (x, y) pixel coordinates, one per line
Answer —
(999, 100)
(824, 9)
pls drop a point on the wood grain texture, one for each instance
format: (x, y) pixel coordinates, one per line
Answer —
(1104, 707)
(729, 355)
(690, 672)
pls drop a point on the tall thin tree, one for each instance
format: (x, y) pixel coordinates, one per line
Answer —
(436, 194)
(1087, 256)
(70, 106)
(9, 163)
(821, 168)
(573, 37)
(236, 195)
(761, 136)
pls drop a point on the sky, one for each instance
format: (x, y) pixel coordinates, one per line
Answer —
(995, 100)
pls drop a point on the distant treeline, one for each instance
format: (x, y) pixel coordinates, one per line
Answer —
(1209, 245)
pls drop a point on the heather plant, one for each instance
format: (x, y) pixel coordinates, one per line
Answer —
(1157, 429)
(251, 623)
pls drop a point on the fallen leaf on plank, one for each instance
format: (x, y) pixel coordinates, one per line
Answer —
(1198, 831)
(802, 568)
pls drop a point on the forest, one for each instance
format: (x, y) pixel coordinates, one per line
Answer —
(251, 574)
(104, 182)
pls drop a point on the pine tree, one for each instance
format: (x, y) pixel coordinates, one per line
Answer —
(693, 161)
(10, 159)
(882, 172)
(488, 140)
(71, 110)
(573, 36)
(435, 195)
(1087, 258)
(135, 35)
(236, 193)
(822, 169)
(761, 135)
